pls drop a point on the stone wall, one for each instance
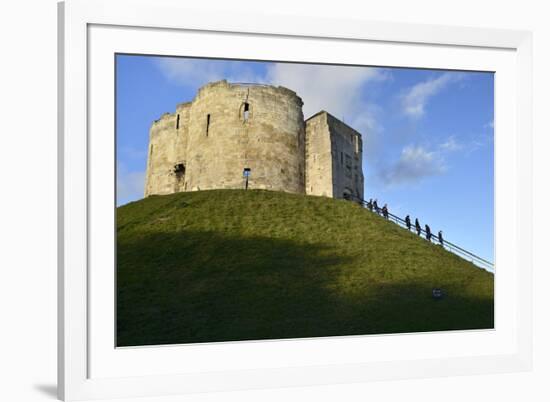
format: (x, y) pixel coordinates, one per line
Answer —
(223, 141)
(318, 156)
(207, 143)
(161, 156)
(347, 159)
(167, 150)
(334, 158)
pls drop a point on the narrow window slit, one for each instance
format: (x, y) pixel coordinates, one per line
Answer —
(207, 124)
(246, 111)
(178, 122)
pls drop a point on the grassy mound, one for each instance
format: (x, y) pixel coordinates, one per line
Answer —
(227, 265)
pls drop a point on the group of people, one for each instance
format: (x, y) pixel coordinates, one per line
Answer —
(427, 229)
(372, 205)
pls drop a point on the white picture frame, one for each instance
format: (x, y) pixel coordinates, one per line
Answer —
(90, 367)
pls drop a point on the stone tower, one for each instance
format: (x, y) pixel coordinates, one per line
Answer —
(207, 143)
(334, 158)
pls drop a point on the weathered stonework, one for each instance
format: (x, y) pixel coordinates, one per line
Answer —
(334, 158)
(208, 142)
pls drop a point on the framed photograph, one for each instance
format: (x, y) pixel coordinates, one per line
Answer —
(252, 201)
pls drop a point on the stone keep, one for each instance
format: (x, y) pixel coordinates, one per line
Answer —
(207, 143)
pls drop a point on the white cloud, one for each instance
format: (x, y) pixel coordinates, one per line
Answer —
(338, 90)
(417, 162)
(186, 71)
(414, 164)
(451, 145)
(335, 89)
(197, 72)
(480, 142)
(483, 139)
(130, 185)
(414, 101)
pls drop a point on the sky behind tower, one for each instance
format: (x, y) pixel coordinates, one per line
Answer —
(427, 134)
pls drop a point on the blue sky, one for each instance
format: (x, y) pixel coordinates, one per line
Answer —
(427, 134)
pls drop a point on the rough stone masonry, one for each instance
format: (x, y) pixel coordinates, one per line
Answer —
(209, 142)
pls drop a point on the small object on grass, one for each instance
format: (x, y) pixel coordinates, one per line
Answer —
(437, 293)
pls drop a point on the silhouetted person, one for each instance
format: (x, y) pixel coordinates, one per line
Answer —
(369, 205)
(385, 211)
(375, 206)
(408, 222)
(440, 237)
(428, 232)
(417, 226)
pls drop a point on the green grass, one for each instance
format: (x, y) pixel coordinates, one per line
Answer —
(226, 265)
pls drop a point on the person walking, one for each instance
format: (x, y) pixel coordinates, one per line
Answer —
(375, 206)
(408, 222)
(440, 237)
(428, 232)
(417, 226)
(385, 211)
(369, 205)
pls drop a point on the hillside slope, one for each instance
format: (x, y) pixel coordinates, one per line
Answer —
(226, 265)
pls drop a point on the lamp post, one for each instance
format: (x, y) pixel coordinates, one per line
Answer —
(246, 175)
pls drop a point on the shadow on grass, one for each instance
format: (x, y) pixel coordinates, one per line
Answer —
(209, 287)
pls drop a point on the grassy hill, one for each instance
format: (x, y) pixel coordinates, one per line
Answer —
(235, 265)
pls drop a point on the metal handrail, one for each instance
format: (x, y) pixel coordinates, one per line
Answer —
(457, 250)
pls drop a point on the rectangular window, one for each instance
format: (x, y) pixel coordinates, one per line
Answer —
(207, 124)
